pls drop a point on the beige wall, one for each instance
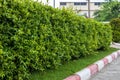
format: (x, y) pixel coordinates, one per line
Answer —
(94, 7)
(83, 8)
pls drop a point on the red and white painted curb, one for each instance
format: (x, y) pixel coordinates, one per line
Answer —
(86, 73)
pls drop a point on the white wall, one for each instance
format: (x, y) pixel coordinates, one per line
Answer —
(82, 8)
(82, 0)
(57, 2)
(50, 2)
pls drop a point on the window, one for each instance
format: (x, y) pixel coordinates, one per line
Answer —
(63, 3)
(80, 3)
(77, 3)
(97, 3)
(83, 3)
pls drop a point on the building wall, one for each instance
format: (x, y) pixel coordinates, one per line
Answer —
(80, 9)
(83, 9)
(50, 2)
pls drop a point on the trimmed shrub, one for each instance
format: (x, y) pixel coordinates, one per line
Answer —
(36, 37)
(115, 23)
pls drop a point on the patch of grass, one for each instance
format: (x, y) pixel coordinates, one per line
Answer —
(71, 67)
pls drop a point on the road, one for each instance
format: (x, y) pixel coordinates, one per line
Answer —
(115, 45)
(110, 72)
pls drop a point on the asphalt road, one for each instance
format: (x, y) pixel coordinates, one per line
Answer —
(110, 72)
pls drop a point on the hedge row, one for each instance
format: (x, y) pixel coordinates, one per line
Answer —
(115, 23)
(38, 37)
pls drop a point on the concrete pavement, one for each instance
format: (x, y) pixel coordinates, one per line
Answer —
(99, 71)
(115, 45)
(110, 72)
(94, 68)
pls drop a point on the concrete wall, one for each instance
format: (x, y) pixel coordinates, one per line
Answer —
(70, 4)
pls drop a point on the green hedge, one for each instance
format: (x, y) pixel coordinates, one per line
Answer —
(115, 23)
(34, 37)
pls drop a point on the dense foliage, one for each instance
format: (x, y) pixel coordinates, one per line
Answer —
(37, 37)
(109, 10)
(115, 23)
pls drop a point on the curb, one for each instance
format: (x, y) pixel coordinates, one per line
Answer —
(89, 71)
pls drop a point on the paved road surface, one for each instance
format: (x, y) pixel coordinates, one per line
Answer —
(115, 45)
(110, 72)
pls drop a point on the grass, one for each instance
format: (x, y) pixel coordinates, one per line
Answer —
(71, 67)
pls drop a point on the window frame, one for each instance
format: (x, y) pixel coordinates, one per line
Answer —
(80, 3)
(97, 3)
(63, 3)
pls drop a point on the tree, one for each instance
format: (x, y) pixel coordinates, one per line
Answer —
(116, 10)
(109, 10)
